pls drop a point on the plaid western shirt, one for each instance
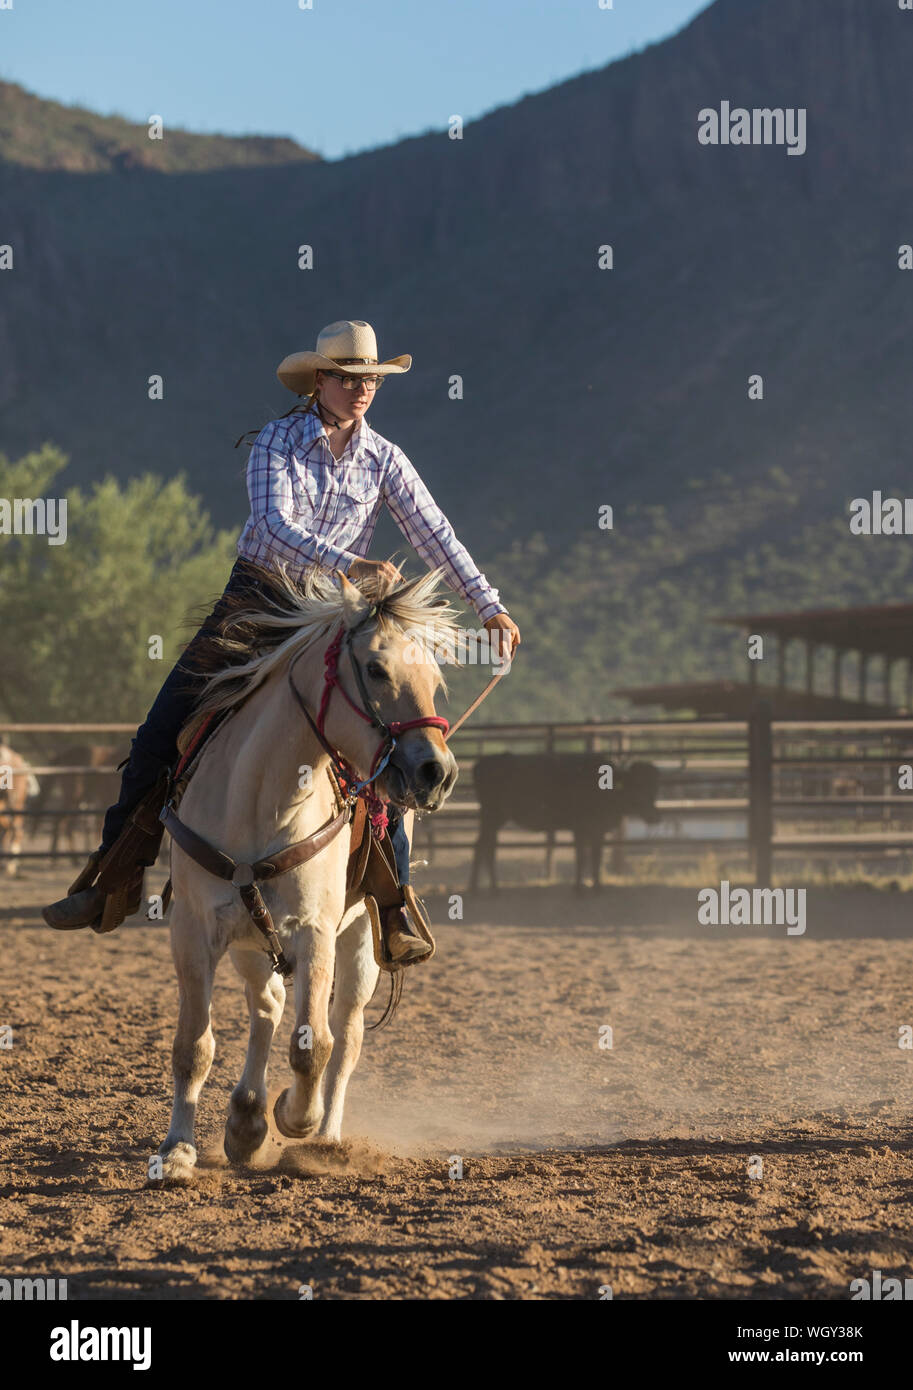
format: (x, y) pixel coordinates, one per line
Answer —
(307, 508)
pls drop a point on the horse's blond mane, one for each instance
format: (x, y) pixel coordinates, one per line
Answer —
(254, 641)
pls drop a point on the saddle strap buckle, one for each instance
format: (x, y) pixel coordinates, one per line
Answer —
(263, 921)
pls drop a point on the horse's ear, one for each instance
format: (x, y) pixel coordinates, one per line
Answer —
(354, 603)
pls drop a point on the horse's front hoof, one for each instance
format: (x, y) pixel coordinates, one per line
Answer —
(283, 1125)
(177, 1167)
(244, 1138)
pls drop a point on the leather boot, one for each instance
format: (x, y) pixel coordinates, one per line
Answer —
(402, 942)
(77, 910)
(83, 906)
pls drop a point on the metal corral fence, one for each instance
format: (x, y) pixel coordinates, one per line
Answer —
(755, 791)
(751, 791)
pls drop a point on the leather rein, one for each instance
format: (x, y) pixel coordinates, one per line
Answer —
(245, 877)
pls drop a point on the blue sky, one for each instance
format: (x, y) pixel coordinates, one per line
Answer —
(345, 75)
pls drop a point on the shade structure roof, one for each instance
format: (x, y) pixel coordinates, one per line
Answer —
(737, 700)
(884, 629)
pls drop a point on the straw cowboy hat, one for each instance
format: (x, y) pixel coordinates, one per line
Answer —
(349, 343)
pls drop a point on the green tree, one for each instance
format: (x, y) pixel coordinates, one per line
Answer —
(76, 618)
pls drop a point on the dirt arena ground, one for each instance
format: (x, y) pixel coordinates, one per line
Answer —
(583, 1166)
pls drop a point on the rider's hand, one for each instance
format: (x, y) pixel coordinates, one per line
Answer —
(504, 623)
(383, 573)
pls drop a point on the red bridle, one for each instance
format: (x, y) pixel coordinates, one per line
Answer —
(390, 732)
(393, 729)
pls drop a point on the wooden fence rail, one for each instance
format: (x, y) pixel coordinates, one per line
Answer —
(761, 770)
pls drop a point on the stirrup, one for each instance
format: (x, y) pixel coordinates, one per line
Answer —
(421, 925)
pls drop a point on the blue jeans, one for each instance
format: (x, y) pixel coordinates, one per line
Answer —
(400, 841)
(155, 746)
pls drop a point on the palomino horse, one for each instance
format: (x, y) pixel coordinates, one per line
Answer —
(17, 783)
(263, 783)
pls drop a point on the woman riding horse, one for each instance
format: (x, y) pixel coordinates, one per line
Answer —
(316, 479)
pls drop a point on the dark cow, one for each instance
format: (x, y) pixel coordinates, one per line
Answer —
(559, 791)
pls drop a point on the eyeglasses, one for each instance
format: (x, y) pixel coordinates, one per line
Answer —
(352, 383)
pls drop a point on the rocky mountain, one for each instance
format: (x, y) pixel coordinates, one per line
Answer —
(39, 134)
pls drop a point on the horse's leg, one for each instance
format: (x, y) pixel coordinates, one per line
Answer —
(68, 829)
(299, 1109)
(486, 851)
(194, 1045)
(356, 981)
(486, 846)
(247, 1127)
(54, 832)
(6, 844)
(476, 861)
(12, 865)
(597, 857)
(493, 856)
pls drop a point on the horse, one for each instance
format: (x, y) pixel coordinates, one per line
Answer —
(262, 782)
(88, 790)
(17, 784)
(558, 791)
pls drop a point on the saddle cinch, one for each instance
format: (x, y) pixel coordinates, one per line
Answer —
(370, 873)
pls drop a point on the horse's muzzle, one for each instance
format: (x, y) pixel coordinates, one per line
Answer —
(419, 776)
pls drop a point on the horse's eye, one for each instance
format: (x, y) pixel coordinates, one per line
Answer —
(377, 672)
